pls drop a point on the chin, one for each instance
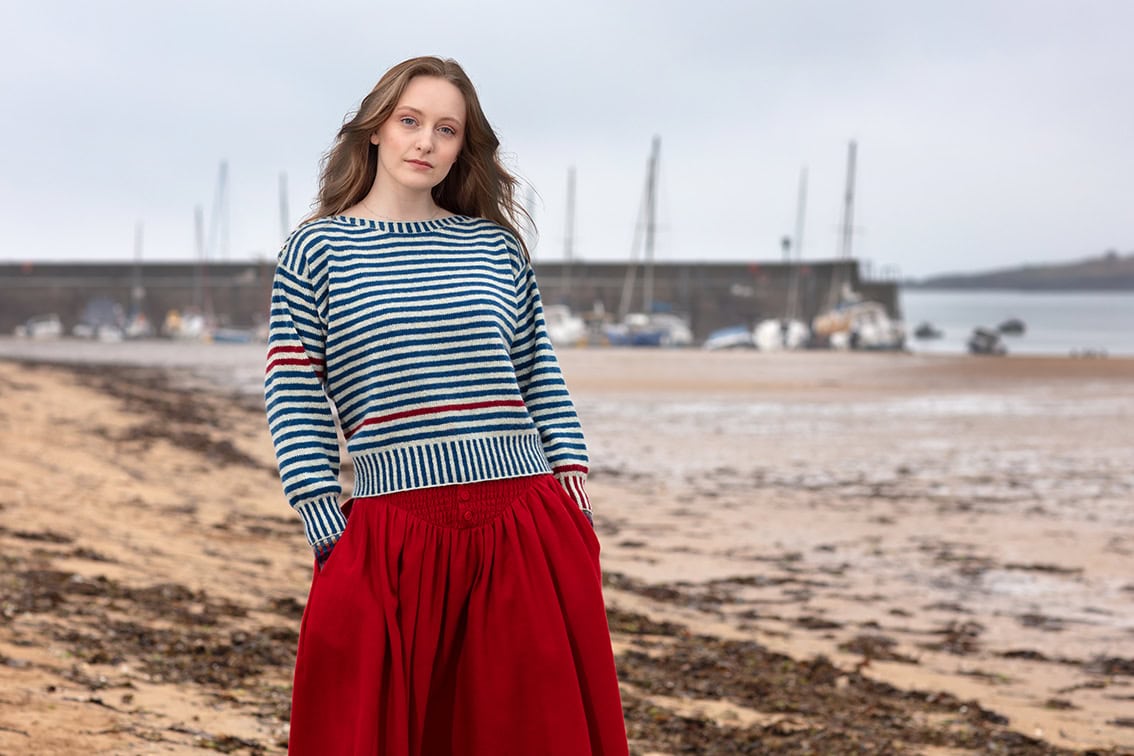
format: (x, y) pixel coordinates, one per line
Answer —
(421, 182)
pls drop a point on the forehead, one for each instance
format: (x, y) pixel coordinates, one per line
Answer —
(433, 96)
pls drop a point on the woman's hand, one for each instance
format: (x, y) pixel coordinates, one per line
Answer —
(323, 551)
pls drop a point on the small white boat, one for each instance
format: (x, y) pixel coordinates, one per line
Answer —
(674, 329)
(777, 334)
(41, 327)
(564, 328)
(733, 337)
(860, 325)
(662, 329)
(187, 326)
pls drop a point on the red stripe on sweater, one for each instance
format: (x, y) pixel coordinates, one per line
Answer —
(273, 361)
(434, 410)
(569, 468)
(279, 348)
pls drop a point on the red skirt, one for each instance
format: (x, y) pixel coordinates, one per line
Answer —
(465, 620)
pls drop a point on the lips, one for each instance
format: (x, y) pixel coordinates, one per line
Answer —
(419, 163)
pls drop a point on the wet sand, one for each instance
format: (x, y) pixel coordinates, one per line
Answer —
(949, 524)
(804, 553)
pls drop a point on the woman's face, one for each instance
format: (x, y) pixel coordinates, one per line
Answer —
(420, 141)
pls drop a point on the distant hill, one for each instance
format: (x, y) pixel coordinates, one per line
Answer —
(1109, 272)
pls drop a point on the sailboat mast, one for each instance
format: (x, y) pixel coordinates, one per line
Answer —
(848, 203)
(285, 222)
(569, 234)
(199, 279)
(218, 223)
(137, 292)
(529, 207)
(800, 211)
(226, 225)
(651, 224)
(647, 209)
(626, 300)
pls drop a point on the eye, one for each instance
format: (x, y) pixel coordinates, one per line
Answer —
(408, 121)
(448, 131)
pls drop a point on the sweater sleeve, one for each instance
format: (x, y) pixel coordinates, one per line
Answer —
(300, 416)
(545, 392)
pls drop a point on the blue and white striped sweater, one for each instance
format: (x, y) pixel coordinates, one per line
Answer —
(428, 339)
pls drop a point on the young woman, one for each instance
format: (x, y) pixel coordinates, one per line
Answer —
(456, 606)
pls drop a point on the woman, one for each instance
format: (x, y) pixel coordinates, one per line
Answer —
(456, 606)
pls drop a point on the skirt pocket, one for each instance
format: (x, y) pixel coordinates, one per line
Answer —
(343, 540)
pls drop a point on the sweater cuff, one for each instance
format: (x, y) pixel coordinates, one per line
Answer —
(323, 522)
(574, 479)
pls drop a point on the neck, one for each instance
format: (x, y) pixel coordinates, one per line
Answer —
(400, 205)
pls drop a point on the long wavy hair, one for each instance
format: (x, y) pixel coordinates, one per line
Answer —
(477, 185)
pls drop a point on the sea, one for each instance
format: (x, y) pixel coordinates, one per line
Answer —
(1056, 323)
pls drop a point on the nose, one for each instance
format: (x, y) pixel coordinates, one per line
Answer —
(425, 142)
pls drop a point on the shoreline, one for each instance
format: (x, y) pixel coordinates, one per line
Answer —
(644, 369)
(722, 505)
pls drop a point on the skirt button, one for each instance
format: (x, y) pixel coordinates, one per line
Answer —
(468, 515)
(463, 494)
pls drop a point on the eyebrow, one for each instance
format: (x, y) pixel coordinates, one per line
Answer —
(412, 109)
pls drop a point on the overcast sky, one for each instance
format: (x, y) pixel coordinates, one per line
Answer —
(990, 133)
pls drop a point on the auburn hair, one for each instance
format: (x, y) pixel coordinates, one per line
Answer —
(477, 185)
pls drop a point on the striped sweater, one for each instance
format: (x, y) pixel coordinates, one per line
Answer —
(428, 341)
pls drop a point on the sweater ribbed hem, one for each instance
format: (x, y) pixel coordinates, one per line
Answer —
(447, 463)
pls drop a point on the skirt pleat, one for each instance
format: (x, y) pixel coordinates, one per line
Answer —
(460, 620)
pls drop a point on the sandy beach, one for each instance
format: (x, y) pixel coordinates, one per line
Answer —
(803, 553)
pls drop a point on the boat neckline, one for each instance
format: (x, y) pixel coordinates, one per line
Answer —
(392, 225)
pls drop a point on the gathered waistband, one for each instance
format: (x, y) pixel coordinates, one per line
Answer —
(464, 505)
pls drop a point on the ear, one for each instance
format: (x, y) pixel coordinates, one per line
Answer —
(374, 138)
